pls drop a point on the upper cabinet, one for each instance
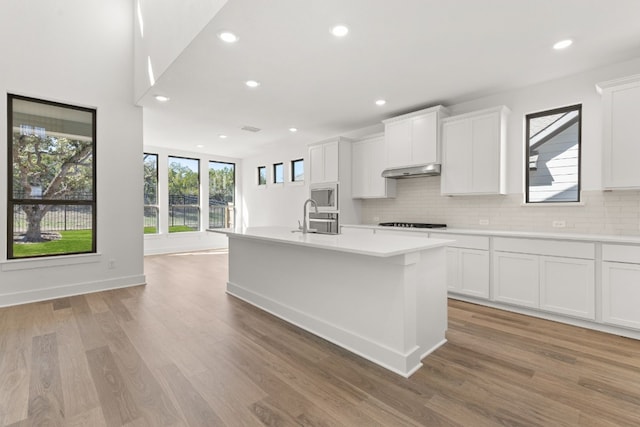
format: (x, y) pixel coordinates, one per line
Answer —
(414, 138)
(324, 161)
(368, 162)
(621, 133)
(473, 153)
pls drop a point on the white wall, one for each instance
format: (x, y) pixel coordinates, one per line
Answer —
(78, 52)
(274, 204)
(165, 242)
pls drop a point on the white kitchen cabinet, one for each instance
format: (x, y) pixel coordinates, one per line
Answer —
(324, 162)
(516, 279)
(621, 133)
(567, 286)
(473, 153)
(551, 275)
(467, 264)
(368, 162)
(414, 138)
(621, 285)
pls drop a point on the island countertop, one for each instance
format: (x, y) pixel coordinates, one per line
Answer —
(377, 245)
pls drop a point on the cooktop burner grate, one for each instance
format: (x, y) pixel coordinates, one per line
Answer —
(412, 225)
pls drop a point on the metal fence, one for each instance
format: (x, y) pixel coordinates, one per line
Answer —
(58, 218)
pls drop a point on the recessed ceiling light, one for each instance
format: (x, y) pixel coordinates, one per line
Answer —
(381, 102)
(252, 83)
(563, 44)
(293, 129)
(222, 136)
(228, 37)
(162, 98)
(200, 146)
(339, 31)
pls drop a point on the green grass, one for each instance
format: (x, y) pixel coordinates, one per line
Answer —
(76, 241)
(180, 228)
(150, 230)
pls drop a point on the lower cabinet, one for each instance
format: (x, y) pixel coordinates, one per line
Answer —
(467, 264)
(621, 285)
(546, 275)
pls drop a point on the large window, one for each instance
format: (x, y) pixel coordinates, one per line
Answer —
(553, 155)
(51, 175)
(222, 191)
(150, 193)
(184, 194)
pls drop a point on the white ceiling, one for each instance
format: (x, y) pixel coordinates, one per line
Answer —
(413, 53)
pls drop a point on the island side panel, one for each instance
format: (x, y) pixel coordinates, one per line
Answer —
(365, 304)
(432, 294)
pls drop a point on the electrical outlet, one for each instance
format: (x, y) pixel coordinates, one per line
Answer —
(112, 264)
(376, 219)
(484, 222)
(559, 224)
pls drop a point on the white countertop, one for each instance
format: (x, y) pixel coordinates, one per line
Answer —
(378, 245)
(604, 238)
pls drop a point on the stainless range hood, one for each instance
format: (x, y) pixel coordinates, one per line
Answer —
(430, 169)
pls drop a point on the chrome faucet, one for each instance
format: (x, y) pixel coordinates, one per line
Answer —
(305, 218)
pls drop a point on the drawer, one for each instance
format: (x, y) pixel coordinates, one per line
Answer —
(621, 253)
(545, 247)
(464, 240)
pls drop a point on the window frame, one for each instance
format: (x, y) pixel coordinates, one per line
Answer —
(157, 205)
(275, 175)
(293, 170)
(527, 155)
(13, 201)
(199, 205)
(266, 179)
(209, 194)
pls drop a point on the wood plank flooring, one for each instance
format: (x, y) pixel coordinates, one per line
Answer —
(180, 352)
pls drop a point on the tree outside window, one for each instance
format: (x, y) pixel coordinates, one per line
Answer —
(221, 194)
(184, 194)
(150, 162)
(52, 203)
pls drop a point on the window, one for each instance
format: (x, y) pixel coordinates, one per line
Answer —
(262, 175)
(553, 155)
(150, 193)
(222, 191)
(184, 194)
(297, 170)
(278, 173)
(51, 173)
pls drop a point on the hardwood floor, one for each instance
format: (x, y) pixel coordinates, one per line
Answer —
(180, 352)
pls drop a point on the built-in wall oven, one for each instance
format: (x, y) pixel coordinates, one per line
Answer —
(324, 222)
(325, 196)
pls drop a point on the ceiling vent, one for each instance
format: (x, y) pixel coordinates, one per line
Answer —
(250, 129)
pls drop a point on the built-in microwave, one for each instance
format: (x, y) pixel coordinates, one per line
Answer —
(325, 196)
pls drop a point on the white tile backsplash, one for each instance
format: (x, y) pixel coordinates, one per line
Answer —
(419, 200)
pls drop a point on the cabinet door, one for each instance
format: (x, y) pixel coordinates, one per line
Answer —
(331, 161)
(485, 154)
(621, 294)
(359, 169)
(567, 286)
(474, 272)
(516, 279)
(453, 279)
(316, 164)
(424, 139)
(456, 157)
(398, 143)
(621, 137)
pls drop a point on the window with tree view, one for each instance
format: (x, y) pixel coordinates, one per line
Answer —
(553, 155)
(150, 193)
(52, 192)
(184, 194)
(221, 194)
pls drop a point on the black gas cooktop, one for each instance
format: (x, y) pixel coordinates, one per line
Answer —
(412, 225)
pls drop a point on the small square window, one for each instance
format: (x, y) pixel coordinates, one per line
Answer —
(262, 175)
(297, 170)
(278, 173)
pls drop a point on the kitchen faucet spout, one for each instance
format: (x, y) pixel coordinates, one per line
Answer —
(305, 218)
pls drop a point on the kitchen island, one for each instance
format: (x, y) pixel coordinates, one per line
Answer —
(381, 297)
